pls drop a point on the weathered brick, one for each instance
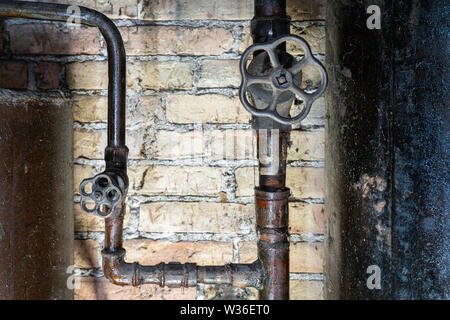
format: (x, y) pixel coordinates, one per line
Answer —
(13, 75)
(157, 75)
(175, 40)
(81, 172)
(85, 222)
(197, 10)
(220, 74)
(307, 146)
(306, 9)
(172, 180)
(86, 253)
(179, 145)
(316, 116)
(247, 251)
(50, 38)
(313, 33)
(149, 252)
(89, 143)
(145, 110)
(112, 8)
(305, 290)
(228, 292)
(306, 218)
(207, 108)
(306, 257)
(103, 289)
(87, 75)
(90, 108)
(303, 182)
(47, 75)
(233, 144)
(196, 217)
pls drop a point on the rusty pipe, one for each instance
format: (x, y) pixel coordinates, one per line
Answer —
(120, 272)
(116, 151)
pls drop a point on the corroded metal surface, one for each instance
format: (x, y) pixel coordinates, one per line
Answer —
(36, 198)
(387, 151)
(119, 272)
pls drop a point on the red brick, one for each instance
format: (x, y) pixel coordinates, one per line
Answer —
(13, 75)
(47, 75)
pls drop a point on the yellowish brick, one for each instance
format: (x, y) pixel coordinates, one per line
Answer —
(147, 111)
(306, 218)
(220, 73)
(247, 251)
(303, 182)
(174, 40)
(207, 108)
(89, 143)
(172, 180)
(86, 253)
(87, 75)
(81, 172)
(90, 108)
(179, 145)
(196, 217)
(313, 33)
(233, 144)
(150, 252)
(198, 10)
(306, 257)
(307, 146)
(103, 289)
(85, 222)
(157, 75)
(305, 290)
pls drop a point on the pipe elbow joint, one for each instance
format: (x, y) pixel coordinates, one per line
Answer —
(117, 271)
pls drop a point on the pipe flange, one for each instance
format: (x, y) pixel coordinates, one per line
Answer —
(280, 79)
(106, 194)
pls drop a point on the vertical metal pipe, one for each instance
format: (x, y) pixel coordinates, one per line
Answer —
(272, 215)
(271, 197)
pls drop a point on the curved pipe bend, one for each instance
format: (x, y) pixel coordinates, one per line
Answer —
(116, 151)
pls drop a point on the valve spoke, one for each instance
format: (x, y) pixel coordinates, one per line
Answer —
(257, 80)
(273, 103)
(297, 67)
(273, 58)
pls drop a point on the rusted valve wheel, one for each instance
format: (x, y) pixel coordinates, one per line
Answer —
(281, 80)
(106, 194)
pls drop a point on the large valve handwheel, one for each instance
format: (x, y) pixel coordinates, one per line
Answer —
(281, 80)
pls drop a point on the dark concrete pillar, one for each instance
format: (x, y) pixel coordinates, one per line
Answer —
(387, 151)
(36, 196)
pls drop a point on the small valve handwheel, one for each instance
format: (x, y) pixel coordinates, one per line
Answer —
(105, 194)
(281, 80)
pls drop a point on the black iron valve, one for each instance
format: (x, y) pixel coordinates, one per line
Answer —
(281, 81)
(104, 192)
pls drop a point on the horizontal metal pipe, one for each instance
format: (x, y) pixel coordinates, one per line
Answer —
(171, 274)
(116, 60)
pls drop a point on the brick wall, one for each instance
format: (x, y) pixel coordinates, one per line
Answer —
(191, 192)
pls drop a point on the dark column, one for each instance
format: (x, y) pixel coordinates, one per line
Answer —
(36, 198)
(387, 148)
